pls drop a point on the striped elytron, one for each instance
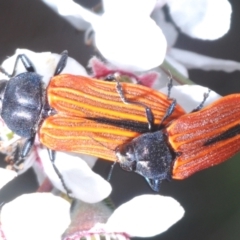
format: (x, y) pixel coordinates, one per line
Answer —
(91, 118)
(76, 113)
(191, 143)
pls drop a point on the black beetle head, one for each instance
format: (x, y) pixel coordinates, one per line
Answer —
(148, 155)
(3, 84)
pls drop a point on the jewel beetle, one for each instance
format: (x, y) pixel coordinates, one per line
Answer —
(59, 113)
(190, 143)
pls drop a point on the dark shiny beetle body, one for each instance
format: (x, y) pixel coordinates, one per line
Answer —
(24, 106)
(148, 155)
(22, 103)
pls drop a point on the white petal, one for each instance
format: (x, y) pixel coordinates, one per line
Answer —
(132, 43)
(193, 60)
(125, 7)
(78, 176)
(146, 215)
(41, 61)
(3, 76)
(181, 68)
(190, 96)
(204, 19)
(35, 216)
(39, 171)
(6, 176)
(76, 15)
(45, 64)
(168, 29)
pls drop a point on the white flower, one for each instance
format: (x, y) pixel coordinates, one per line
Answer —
(190, 96)
(125, 34)
(80, 179)
(198, 19)
(45, 216)
(204, 19)
(129, 39)
(145, 216)
(78, 176)
(134, 43)
(206, 63)
(35, 216)
(45, 64)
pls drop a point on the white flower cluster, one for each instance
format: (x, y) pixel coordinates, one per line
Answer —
(135, 35)
(132, 35)
(84, 183)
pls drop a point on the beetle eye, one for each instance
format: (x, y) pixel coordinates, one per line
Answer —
(126, 157)
(128, 165)
(125, 152)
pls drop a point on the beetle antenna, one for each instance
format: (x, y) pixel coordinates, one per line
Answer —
(101, 144)
(111, 171)
(173, 104)
(113, 165)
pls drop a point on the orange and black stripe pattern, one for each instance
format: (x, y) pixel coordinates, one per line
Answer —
(91, 117)
(205, 138)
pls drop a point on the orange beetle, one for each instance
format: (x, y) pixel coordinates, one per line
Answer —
(191, 143)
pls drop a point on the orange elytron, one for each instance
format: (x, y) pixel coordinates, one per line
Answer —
(207, 137)
(190, 143)
(91, 118)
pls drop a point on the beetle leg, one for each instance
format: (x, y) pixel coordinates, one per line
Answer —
(172, 106)
(26, 63)
(52, 156)
(154, 184)
(149, 114)
(27, 146)
(169, 111)
(62, 63)
(148, 110)
(16, 161)
(200, 106)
